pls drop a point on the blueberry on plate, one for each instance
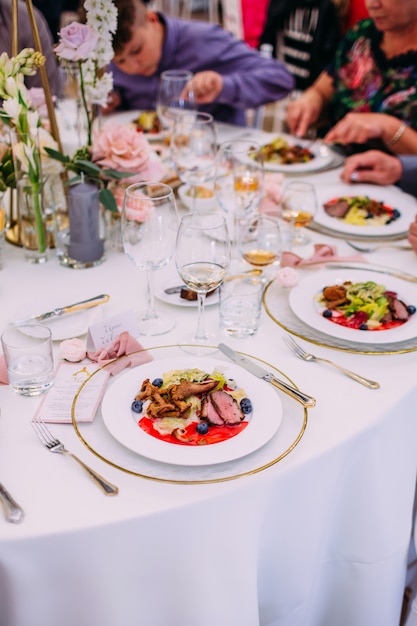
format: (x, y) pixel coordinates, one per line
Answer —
(202, 428)
(411, 309)
(157, 382)
(137, 406)
(327, 313)
(246, 406)
(363, 327)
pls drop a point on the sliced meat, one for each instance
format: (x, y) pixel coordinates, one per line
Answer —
(209, 413)
(227, 407)
(336, 209)
(399, 310)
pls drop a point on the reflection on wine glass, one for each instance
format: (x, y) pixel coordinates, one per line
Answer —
(260, 242)
(202, 256)
(175, 97)
(238, 182)
(193, 150)
(299, 205)
(149, 228)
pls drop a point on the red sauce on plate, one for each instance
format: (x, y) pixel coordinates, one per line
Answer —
(215, 434)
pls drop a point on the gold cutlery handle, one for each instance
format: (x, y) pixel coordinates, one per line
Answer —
(108, 488)
(87, 304)
(303, 398)
(371, 384)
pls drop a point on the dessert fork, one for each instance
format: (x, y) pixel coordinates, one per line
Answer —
(54, 445)
(307, 356)
(396, 246)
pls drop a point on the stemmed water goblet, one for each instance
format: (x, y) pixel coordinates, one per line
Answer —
(193, 150)
(298, 207)
(238, 182)
(175, 97)
(149, 227)
(202, 257)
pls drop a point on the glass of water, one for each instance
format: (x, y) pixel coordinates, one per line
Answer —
(29, 360)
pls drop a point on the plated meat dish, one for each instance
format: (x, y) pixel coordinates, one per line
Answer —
(361, 211)
(281, 152)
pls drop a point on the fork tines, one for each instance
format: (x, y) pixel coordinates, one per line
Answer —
(43, 433)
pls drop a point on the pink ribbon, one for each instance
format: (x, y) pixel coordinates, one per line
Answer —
(124, 346)
(323, 253)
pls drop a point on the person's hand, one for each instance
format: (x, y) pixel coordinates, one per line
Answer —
(114, 100)
(357, 128)
(412, 234)
(303, 113)
(206, 86)
(372, 167)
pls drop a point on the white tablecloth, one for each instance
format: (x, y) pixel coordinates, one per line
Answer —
(318, 539)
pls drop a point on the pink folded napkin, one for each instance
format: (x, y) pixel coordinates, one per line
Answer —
(4, 379)
(323, 253)
(124, 346)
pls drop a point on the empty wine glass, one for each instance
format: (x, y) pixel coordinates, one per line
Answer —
(299, 205)
(149, 228)
(238, 182)
(175, 97)
(202, 256)
(193, 150)
(260, 242)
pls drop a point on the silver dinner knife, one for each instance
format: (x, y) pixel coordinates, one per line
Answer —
(70, 308)
(13, 512)
(260, 372)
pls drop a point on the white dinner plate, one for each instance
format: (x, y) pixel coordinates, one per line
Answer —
(391, 196)
(322, 157)
(175, 298)
(201, 204)
(128, 118)
(303, 303)
(122, 422)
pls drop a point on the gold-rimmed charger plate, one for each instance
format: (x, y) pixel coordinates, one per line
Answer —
(100, 442)
(276, 304)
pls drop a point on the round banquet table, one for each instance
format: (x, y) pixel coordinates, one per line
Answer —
(318, 538)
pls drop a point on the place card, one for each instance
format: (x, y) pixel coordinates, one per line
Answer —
(103, 333)
(56, 405)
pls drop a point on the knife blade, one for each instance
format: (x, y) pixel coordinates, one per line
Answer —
(260, 372)
(381, 269)
(70, 308)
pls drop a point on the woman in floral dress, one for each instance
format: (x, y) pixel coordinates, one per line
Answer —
(369, 91)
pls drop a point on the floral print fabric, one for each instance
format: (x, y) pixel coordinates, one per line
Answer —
(366, 81)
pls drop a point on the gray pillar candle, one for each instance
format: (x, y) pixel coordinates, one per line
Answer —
(85, 244)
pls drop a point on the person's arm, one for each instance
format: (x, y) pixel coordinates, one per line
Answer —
(306, 111)
(408, 179)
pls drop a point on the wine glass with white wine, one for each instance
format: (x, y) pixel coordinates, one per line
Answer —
(298, 208)
(149, 227)
(202, 256)
(239, 182)
(260, 242)
(175, 97)
(193, 150)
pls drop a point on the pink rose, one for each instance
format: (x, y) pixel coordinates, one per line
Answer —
(36, 97)
(123, 149)
(73, 350)
(76, 42)
(138, 207)
(287, 277)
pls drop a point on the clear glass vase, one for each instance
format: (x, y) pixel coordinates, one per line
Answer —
(32, 221)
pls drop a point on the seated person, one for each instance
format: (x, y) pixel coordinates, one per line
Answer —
(25, 40)
(385, 169)
(229, 76)
(369, 91)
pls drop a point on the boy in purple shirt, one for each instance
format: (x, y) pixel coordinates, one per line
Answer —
(229, 76)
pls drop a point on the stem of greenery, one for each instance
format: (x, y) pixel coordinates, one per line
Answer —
(85, 105)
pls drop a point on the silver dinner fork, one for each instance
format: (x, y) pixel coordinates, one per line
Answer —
(380, 246)
(54, 445)
(307, 356)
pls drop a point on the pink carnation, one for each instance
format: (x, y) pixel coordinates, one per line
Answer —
(287, 277)
(76, 42)
(274, 185)
(73, 350)
(123, 149)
